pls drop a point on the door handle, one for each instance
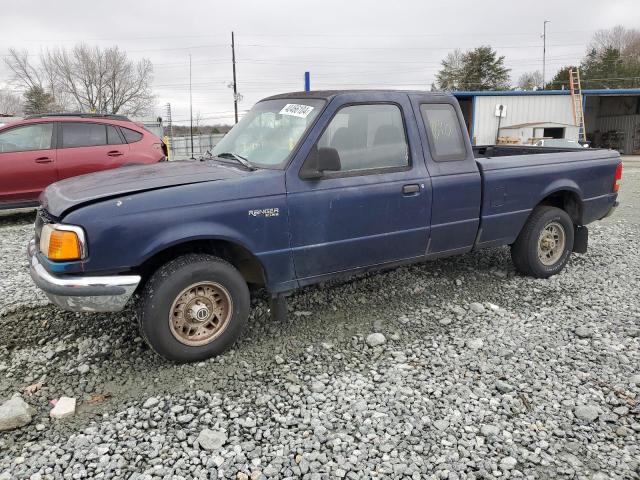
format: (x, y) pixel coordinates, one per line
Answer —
(43, 160)
(114, 153)
(412, 188)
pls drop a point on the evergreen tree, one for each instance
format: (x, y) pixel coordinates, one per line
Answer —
(37, 101)
(478, 69)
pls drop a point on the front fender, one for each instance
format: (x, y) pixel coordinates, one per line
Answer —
(193, 231)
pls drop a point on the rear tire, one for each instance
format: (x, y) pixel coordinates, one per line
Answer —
(545, 243)
(193, 307)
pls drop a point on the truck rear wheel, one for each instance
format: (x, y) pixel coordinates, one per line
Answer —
(545, 243)
(193, 308)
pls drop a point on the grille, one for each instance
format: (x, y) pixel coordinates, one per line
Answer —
(42, 218)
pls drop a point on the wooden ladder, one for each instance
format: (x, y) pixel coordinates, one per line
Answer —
(576, 98)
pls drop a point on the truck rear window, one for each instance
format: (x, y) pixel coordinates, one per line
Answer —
(446, 141)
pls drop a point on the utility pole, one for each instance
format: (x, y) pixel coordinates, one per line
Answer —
(190, 110)
(235, 85)
(170, 122)
(544, 52)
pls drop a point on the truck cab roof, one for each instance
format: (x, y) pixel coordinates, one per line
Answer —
(329, 94)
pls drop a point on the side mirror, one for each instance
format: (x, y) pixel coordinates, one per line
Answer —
(320, 160)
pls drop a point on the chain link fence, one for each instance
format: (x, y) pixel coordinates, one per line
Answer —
(180, 147)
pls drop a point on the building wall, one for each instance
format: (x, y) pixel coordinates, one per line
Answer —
(520, 109)
(526, 133)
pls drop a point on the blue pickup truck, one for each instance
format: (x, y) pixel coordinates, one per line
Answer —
(308, 187)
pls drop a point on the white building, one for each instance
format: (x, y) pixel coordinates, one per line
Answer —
(612, 117)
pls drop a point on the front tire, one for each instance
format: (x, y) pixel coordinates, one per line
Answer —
(193, 307)
(545, 243)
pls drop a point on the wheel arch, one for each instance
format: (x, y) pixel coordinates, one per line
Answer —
(233, 251)
(567, 197)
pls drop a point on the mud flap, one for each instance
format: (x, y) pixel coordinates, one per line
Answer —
(580, 239)
(278, 308)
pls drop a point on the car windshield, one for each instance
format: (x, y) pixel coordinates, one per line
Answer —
(270, 131)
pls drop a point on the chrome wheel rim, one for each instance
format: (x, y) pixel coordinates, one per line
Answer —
(551, 243)
(200, 313)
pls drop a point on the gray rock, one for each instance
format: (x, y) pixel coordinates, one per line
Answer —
(477, 308)
(186, 418)
(317, 387)
(583, 332)
(587, 413)
(503, 386)
(489, 430)
(83, 369)
(15, 413)
(212, 439)
(150, 402)
(441, 424)
(508, 463)
(635, 380)
(64, 408)
(375, 339)
(475, 343)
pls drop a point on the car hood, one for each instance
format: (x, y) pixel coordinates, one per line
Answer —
(64, 195)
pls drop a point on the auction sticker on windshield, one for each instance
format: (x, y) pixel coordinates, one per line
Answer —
(296, 110)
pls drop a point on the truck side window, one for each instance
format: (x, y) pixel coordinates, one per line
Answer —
(446, 141)
(367, 137)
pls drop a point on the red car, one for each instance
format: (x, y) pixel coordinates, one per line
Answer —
(38, 151)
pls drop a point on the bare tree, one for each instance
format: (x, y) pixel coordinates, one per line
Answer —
(10, 103)
(88, 79)
(530, 80)
(624, 40)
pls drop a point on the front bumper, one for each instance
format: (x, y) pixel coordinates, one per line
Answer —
(79, 293)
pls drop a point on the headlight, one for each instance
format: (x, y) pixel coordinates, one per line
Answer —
(63, 242)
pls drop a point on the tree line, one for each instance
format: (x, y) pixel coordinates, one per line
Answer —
(84, 79)
(92, 79)
(612, 61)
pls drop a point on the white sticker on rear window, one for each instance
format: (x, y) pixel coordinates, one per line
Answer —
(296, 110)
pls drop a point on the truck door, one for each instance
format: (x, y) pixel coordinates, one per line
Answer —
(455, 179)
(374, 208)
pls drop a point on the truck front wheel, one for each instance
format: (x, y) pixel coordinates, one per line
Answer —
(193, 307)
(545, 243)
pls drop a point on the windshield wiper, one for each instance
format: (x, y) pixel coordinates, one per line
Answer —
(238, 158)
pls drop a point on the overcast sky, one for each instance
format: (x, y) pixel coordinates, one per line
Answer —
(345, 43)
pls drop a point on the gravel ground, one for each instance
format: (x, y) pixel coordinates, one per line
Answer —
(473, 372)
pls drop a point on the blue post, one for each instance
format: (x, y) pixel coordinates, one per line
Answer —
(307, 81)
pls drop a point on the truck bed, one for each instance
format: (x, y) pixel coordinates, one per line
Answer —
(515, 179)
(484, 151)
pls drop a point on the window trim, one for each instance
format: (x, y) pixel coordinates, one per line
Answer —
(434, 156)
(364, 171)
(52, 141)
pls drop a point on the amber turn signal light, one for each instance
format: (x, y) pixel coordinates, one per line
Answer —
(60, 245)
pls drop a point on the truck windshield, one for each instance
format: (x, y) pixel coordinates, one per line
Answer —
(270, 131)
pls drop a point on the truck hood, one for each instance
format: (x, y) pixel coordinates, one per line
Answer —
(64, 195)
